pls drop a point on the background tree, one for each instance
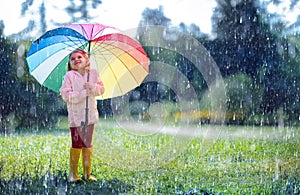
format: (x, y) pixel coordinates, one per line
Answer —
(287, 73)
(7, 81)
(81, 12)
(246, 41)
(32, 24)
(152, 91)
(246, 45)
(154, 17)
(78, 11)
(22, 99)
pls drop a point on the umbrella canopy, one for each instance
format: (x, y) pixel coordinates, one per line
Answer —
(121, 61)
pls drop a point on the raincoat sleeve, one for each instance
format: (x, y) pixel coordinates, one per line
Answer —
(98, 87)
(68, 94)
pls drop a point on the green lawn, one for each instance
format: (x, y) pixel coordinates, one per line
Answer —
(231, 160)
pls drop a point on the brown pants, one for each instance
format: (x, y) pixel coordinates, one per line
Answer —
(82, 138)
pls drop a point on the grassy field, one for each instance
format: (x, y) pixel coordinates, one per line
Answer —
(212, 160)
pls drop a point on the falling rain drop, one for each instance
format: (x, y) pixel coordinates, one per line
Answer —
(21, 50)
(20, 71)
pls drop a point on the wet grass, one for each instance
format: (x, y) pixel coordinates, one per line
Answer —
(266, 162)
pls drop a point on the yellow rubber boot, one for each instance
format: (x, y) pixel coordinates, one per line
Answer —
(74, 158)
(87, 164)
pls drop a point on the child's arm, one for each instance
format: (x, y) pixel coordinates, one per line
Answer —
(67, 93)
(97, 87)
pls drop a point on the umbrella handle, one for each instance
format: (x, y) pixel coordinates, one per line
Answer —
(87, 102)
(85, 123)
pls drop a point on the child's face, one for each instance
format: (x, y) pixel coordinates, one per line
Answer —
(78, 61)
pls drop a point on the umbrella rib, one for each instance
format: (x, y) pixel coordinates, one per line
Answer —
(115, 76)
(127, 67)
(109, 50)
(107, 62)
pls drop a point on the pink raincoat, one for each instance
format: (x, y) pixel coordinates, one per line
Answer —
(74, 94)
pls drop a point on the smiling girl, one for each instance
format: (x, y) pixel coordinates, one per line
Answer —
(81, 82)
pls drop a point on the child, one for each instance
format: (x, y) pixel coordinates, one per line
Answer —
(79, 83)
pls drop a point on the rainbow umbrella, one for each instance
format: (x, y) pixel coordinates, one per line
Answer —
(121, 61)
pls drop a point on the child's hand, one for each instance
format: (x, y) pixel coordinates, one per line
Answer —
(88, 66)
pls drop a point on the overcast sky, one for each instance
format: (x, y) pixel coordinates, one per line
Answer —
(126, 14)
(123, 14)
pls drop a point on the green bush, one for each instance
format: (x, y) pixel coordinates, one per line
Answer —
(243, 96)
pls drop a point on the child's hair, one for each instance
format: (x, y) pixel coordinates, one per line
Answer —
(75, 51)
